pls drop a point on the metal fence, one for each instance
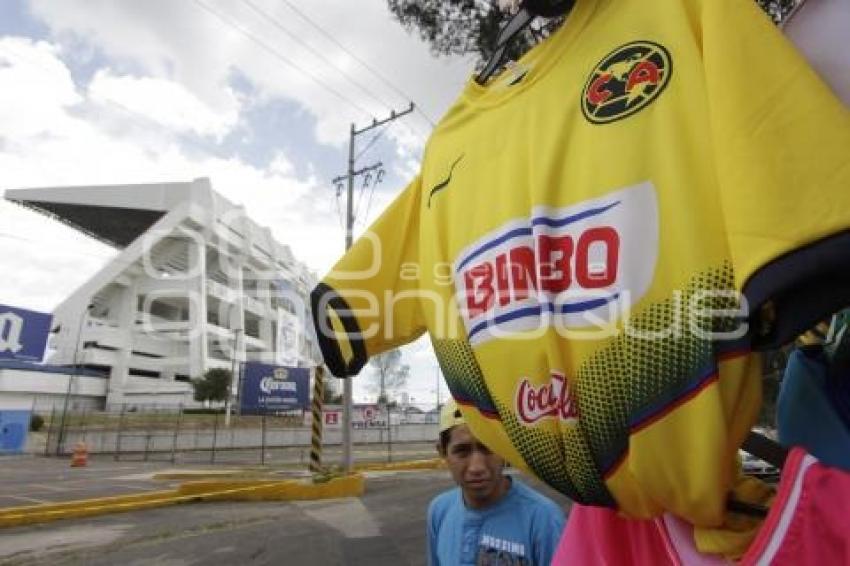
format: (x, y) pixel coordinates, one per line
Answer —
(172, 434)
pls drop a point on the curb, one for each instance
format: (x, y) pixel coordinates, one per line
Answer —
(275, 490)
(430, 464)
(211, 475)
(16, 516)
(260, 475)
(246, 490)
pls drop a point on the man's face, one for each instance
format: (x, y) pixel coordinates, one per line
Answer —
(475, 469)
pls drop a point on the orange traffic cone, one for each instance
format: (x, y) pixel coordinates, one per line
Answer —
(80, 458)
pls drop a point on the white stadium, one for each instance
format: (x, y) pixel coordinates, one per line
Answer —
(196, 284)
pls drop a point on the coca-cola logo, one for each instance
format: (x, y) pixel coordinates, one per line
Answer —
(554, 399)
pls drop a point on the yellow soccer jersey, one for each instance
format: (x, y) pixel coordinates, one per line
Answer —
(588, 236)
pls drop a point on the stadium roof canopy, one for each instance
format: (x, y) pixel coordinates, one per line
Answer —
(114, 214)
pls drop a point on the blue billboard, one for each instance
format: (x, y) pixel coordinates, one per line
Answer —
(23, 334)
(14, 426)
(274, 389)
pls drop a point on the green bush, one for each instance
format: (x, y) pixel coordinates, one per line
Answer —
(204, 411)
(36, 422)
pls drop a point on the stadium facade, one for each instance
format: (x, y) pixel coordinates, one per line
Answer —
(196, 284)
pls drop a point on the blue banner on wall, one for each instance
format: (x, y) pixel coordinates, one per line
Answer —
(274, 389)
(23, 334)
(14, 427)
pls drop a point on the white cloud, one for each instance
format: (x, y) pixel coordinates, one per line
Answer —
(38, 89)
(166, 102)
(184, 42)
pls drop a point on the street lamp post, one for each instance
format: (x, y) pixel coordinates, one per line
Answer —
(229, 401)
(71, 379)
(437, 375)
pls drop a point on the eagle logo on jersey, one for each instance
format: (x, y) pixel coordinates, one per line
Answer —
(626, 81)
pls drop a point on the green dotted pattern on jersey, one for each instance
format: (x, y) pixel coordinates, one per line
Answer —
(640, 371)
(462, 372)
(646, 368)
(566, 466)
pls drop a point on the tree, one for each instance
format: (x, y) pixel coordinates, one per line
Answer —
(777, 9)
(329, 397)
(213, 385)
(461, 27)
(464, 27)
(390, 374)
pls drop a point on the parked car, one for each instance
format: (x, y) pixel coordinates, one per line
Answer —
(756, 466)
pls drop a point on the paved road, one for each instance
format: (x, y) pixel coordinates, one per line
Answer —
(30, 480)
(384, 527)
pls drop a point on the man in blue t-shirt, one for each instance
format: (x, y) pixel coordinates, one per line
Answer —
(489, 518)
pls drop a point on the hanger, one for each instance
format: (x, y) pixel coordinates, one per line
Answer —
(529, 9)
(771, 452)
(766, 449)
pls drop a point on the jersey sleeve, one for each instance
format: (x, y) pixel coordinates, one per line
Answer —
(369, 303)
(782, 143)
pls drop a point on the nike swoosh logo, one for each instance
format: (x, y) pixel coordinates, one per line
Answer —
(518, 78)
(443, 184)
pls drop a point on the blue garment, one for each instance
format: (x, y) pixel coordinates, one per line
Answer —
(521, 529)
(806, 410)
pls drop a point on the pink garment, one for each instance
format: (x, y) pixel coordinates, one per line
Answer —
(809, 522)
(598, 536)
(808, 525)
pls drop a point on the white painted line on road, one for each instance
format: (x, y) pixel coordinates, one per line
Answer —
(28, 499)
(136, 487)
(135, 477)
(55, 488)
(39, 543)
(348, 516)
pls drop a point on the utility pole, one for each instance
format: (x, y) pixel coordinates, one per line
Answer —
(234, 361)
(72, 378)
(437, 371)
(348, 391)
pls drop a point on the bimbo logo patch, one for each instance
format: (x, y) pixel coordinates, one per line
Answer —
(554, 399)
(561, 267)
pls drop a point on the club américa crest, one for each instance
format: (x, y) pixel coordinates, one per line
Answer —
(626, 81)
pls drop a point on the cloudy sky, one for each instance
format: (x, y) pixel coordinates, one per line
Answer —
(257, 95)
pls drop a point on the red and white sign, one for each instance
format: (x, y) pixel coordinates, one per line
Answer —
(333, 418)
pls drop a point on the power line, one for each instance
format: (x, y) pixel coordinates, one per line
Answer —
(416, 132)
(278, 55)
(375, 138)
(368, 203)
(359, 60)
(316, 53)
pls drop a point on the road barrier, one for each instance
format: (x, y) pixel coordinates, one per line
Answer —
(171, 435)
